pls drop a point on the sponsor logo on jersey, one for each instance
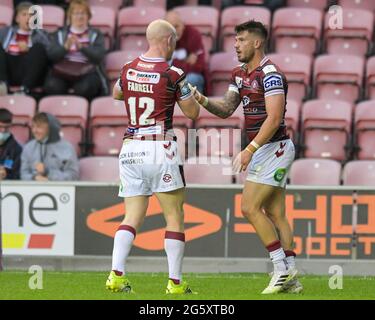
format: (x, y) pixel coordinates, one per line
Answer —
(279, 174)
(146, 66)
(255, 85)
(273, 81)
(245, 101)
(142, 76)
(167, 178)
(269, 69)
(239, 82)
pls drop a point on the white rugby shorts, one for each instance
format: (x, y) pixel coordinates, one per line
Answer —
(149, 166)
(270, 164)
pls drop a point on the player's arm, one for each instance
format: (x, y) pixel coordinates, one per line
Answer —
(221, 108)
(275, 106)
(117, 91)
(189, 107)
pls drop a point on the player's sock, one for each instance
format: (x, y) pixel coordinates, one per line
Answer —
(121, 247)
(174, 245)
(290, 258)
(277, 256)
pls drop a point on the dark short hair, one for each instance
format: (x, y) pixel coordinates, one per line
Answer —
(25, 5)
(5, 116)
(40, 117)
(252, 26)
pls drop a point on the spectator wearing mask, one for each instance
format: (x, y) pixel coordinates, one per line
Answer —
(189, 54)
(47, 156)
(10, 150)
(23, 58)
(77, 52)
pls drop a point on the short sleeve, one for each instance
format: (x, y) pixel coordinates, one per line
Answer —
(233, 85)
(273, 81)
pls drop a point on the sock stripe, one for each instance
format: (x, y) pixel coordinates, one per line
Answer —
(175, 235)
(274, 246)
(289, 253)
(127, 228)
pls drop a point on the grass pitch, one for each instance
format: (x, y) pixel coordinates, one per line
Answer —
(233, 286)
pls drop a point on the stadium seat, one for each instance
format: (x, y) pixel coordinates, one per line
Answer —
(370, 78)
(150, 3)
(297, 30)
(104, 18)
(359, 173)
(72, 112)
(114, 61)
(132, 23)
(7, 3)
(364, 125)
(213, 170)
(219, 137)
(292, 117)
(368, 5)
(101, 169)
(232, 16)
(326, 129)
(297, 69)
(6, 14)
(108, 121)
(205, 19)
(221, 66)
(318, 172)
(254, 2)
(53, 17)
(114, 4)
(23, 109)
(339, 77)
(315, 4)
(355, 36)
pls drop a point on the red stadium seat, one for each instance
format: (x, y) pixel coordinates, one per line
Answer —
(104, 18)
(108, 121)
(150, 3)
(297, 69)
(23, 109)
(338, 77)
(364, 125)
(7, 3)
(213, 170)
(292, 116)
(203, 18)
(359, 173)
(232, 16)
(114, 61)
(297, 30)
(221, 66)
(356, 35)
(132, 23)
(315, 4)
(219, 137)
(6, 14)
(53, 17)
(104, 169)
(114, 4)
(370, 78)
(326, 126)
(368, 5)
(72, 113)
(318, 172)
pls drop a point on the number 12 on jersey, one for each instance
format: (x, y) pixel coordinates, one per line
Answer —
(143, 103)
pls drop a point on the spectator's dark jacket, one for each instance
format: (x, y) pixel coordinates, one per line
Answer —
(37, 36)
(95, 52)
(10, 158)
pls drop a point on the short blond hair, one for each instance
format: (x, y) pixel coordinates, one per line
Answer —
(75, 3)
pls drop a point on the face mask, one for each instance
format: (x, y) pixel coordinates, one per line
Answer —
(4, 136)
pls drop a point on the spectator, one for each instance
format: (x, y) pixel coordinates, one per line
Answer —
(47, 156)
(189, 54)
(61, 3)
(77, 52)
(23, 59)
(10, 150)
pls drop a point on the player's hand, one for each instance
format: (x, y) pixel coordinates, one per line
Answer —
(196, 93)
(192, 59)
(242, 161)
(3, 173)
(40, 168)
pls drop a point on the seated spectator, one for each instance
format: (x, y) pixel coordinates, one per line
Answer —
(10, 150)
(23, 59)
(47, 156)
(77, 52)
(189, 54)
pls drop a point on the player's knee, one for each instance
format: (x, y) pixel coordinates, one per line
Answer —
(250, 211)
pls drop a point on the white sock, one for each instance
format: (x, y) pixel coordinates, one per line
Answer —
(277, 256)
(121, 247)
(174, 245)
(291, 262)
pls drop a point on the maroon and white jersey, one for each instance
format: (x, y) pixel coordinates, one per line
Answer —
(254, 87)
(151, 88)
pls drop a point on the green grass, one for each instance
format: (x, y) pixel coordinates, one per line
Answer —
(241, 286)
